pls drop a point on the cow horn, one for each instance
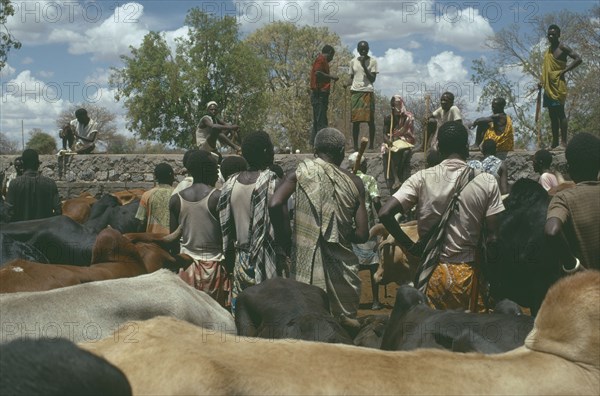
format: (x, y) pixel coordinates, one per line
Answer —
(173, 236)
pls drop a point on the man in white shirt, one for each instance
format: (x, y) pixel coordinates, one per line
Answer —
(80, 134)
(454, 282)
(363, 71)
(446, 112)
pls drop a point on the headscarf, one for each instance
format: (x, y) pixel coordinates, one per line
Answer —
(212, 102)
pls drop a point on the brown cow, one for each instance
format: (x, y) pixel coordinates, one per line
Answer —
(394, 265)
(113, 256)
(79, 208)
(153, 248)
(561, 356)
(127, 196)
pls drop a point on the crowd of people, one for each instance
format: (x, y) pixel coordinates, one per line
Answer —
(236, 221)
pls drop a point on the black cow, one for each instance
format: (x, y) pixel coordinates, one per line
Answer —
(285, 308)
(12, 249)
(371, 331)
(64, 241)
(413, 324)
(57, 367)
(520, 265)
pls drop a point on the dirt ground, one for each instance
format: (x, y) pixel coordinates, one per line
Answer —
(387, 296)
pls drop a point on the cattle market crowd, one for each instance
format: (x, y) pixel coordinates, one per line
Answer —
(154, 285)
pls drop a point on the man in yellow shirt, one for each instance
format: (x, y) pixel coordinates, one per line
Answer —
(497, 127)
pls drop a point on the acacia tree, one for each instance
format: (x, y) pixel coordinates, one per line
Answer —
(290, 50)
(516, 51)
(41, 142)
(7, 40)
(165, 92)
(8, 145)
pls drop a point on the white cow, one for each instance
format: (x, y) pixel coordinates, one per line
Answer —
(91, 311)
(561, 356)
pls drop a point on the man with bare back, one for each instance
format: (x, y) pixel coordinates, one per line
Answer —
(555, 86)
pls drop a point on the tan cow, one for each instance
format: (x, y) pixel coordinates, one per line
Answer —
(394, 265)
(561, 356)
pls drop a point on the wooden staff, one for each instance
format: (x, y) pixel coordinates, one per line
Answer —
(427, 102)
(361, 150)
(389, 161)
(538, 121)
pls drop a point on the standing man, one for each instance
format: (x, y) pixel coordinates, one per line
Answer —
(329, 216)
(153, 212)
(363, 72)
(320, 85)
(195, 210)
(244, 216)
(210, 130)
(367, 254)
(573, 219)
(452, 281)
(32, 195)
(82, 131)
(555, 86)
(497, 127)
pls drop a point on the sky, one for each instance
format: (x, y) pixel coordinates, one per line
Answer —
(69, 47)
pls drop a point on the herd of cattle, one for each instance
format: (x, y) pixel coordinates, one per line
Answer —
(150, 332)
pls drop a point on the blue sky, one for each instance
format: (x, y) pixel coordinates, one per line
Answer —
(69, 46)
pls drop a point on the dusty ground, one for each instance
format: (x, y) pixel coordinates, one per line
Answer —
(387, 296)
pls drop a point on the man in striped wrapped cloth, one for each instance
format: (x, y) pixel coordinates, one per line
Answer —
(244, 216)
(329, 216)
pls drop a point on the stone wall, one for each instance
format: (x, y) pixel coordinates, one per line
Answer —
(103, 173)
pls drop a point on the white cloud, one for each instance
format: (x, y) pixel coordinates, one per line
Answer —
(7, 71)
(33, 101)
(99, 76)
(466, 30)
(171, 36)
(447, 66)
(114, 35)
(413, 44)
(448, 23)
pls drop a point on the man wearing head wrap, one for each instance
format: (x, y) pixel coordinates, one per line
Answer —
(451, 278)
(211, 128)
(398, 137)
(329, 216)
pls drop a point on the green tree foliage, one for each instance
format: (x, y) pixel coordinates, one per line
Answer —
(7, 145)
(290, 51)
(7, 40)
(41, 142)
(516, 52)
(165, 93)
